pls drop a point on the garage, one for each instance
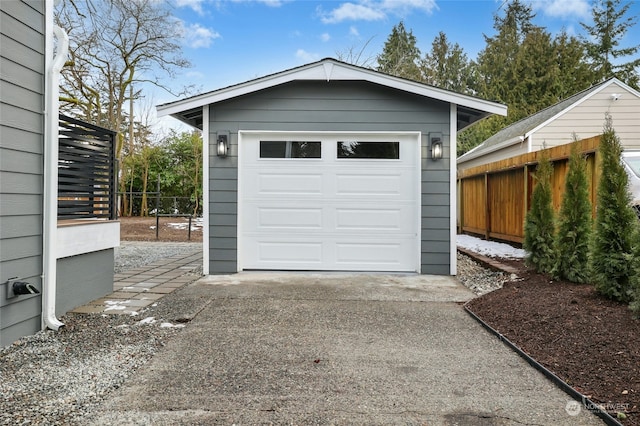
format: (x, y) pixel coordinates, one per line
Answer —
(329, 166)
(323, 201)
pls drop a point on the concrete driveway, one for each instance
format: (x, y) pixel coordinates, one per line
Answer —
(304, 349)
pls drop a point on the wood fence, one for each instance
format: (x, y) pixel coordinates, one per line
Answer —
(493, 198)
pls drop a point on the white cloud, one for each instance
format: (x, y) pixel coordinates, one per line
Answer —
(564, 8)
(325, 37)
(367, 10)
(307, 56)
(354, 31)
(196, 5)
(352, 12)
(197, 36)
(270, 3)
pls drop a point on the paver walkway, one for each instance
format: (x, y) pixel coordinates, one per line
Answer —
(138, 288)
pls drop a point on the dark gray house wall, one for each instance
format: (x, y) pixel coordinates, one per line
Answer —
(329, 106)
(83, 278)
(22, 66)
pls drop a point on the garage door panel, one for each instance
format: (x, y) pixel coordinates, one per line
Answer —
(368, 184)
(294, 183)
(368, 219)
(373, 255)
(289, 253)
(289, 218)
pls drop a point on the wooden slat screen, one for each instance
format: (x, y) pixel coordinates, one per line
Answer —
(86, 171)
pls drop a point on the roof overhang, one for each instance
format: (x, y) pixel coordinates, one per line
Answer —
(469, 109)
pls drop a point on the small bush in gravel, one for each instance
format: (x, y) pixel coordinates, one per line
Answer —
(574, 223)
(616, 224)
(539, 225)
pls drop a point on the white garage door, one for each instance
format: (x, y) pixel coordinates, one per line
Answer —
(341, 202)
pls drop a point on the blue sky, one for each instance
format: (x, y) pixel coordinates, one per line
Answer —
(232, 41)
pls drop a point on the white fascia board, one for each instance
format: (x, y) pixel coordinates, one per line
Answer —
(472, 155)
(329, 70)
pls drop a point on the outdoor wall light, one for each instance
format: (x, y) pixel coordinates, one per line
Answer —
(436, 147)
(223, 145)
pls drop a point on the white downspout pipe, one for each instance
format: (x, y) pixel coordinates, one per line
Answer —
(50, 210)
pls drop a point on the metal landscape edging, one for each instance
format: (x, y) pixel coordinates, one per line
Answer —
(586, 402)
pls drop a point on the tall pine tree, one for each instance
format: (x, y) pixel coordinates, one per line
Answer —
(539, 223)
(400, 55)
(574, 223)
(447, 66)
(610, 25)
(616, 223)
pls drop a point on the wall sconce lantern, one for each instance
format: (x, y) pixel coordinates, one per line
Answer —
(223, 145)
(436, 147)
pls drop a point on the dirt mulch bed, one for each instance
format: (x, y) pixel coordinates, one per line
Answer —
(174, 229)
(591, 343)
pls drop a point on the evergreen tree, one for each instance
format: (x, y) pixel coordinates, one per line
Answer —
(635, 276)
(400, 55)
(574, 223)
(539, 225)
(610, 24)
(574, 73)
(447, 66)
(612, 252)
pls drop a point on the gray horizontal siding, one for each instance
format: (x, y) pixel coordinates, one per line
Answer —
(20, 226)
(329, 106)
(83, 278)
(21, 140)
(21, 165)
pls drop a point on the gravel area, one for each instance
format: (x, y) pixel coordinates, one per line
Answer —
(139, 253)
(54, 378)
(479, 279)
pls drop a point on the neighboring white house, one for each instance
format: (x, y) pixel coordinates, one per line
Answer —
(583, 114)
(330, 166)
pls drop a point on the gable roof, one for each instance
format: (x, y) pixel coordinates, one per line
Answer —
(520, 130)
(469, 109)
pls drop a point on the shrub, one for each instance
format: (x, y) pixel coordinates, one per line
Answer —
(539, 226)
(612, 255)
(574, 223)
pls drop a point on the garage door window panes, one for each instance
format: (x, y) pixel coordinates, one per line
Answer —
(290, 149)
(369, 150)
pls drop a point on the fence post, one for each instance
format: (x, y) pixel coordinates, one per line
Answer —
(487, 206)
(158, 207)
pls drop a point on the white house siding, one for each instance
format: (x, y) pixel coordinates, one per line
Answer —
(587, 120)
(336, 106)
(22, 52)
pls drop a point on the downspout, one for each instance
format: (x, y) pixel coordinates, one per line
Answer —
(50, 210)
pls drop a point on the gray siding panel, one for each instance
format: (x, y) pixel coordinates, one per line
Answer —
(83, 278)
(20, 226)
(21, 166)
(330, 106)
(20, 183)
(13, 332)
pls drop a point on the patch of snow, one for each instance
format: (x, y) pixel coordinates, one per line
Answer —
(169, 325)
(489, 248)
(147, 320)
(115, 308)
